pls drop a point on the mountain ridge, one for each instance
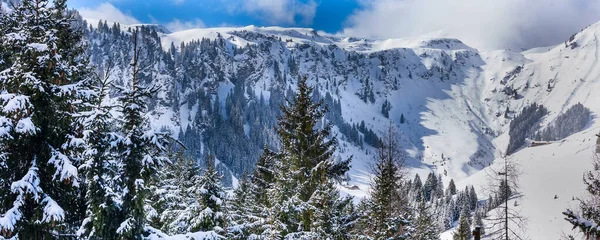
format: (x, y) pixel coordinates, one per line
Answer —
(457, 102)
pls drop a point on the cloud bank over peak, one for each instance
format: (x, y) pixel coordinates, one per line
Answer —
(108, 12)
(178, 25)
(485, 24)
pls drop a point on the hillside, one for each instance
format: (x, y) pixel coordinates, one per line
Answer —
(223, 86)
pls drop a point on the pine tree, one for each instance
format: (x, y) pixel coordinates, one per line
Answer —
(99, 165)
(299, 178)
(504, 191)
(473, 200)
(212, 196)
(417, 188)
(463, 231)
(388, 208)
(431, 187)
(174, 197)
(363, 225)
(385, 108)
(424, 224)
(451, 188)
(43, 88)
(260, 217)
(240, 212)
(490, 204)
(141, 150)
(333, 216)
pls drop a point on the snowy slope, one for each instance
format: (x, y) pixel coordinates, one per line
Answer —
(557, 77)
(441, 111)
(452, 96)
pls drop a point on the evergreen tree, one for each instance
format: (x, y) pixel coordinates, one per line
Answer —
(333, 216)
(463, 231)
(301, 194)
(259, 218)
(141, 149)
(385, 108)
(473, 200)
(99, 165)
(451, 188)
(417, 188)
(504, 192)
(212, 196)
(42, 90)
(490, 204)
(388, 208)
(424, 224)
(430, 188)
(175, 201)
(240, 214)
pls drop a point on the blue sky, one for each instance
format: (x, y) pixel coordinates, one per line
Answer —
(326, 15)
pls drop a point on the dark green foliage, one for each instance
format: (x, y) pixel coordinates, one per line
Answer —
(463, 231)
(387, 207)
(141, 150)
(451, 188)
(385, 108)
(294, 188)
(571, 121)
(504, 192)
(211, 196)
(100, 167)
(42, 76)
(524, 125)
(433, 187)
(425, 223)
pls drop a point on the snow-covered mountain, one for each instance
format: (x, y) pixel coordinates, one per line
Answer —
(452, 104)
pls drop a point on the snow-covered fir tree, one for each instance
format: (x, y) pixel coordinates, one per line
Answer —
(175, 201)
(99, 164)
(240, 214)
(463, 230)
(42, 88)
(141, 149)
(417, 188)
(425, 226)
(388, 212)
(259, 216)
(302, 201)
(212, 215)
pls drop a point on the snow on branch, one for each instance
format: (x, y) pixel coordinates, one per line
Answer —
(65, 171)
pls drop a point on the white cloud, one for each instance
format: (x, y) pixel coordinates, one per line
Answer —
(277, 11)
(108, 12)
(178, 25)
(178, 2)
(490, 24)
